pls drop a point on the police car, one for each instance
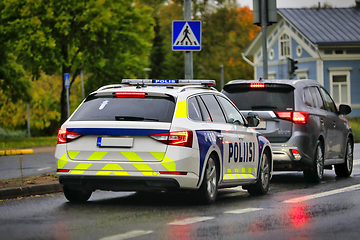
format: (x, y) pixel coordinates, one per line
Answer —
(161, 135)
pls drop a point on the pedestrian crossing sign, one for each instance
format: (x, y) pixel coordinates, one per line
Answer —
(186, 36)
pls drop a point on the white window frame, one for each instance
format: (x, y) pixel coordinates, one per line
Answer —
(340, 72)
(284, 44)
(301, 74)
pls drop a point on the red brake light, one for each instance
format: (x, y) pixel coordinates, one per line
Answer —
(174, 173)
(129, 94)
(179, 138)
(257, 85)
(65, 136)
(294, 116)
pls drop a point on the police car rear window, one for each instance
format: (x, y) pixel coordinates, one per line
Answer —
(152, 109)
(266, 99)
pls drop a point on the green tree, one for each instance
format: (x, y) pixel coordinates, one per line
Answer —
(109, 39)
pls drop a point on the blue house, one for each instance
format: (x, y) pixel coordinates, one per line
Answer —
(326, 44)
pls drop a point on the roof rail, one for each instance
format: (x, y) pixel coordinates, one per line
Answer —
(111, 86)
(184, 88)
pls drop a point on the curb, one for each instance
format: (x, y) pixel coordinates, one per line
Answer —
(8, 193)
(16, 152)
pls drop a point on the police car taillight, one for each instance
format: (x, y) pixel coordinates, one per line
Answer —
(65, 136)
(179, 138)
(129, 94)
(257, 85)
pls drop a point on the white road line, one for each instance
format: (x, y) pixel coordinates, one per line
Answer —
(323, 194)
(45, 168)
(135, 233)
(356, 162)
(190, 220)
(244, 210)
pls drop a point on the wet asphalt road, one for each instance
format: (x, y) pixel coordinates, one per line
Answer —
(292, 209)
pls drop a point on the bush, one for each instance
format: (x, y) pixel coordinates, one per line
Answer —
(355, 125)
(5, 134)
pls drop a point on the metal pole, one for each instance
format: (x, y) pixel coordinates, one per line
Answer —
(28, 119)
(264, 43)
(82, 85)
(188, 54)
(222, 76)
(67, 101)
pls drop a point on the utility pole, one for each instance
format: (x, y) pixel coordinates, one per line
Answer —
(264, 40)
(188, 54)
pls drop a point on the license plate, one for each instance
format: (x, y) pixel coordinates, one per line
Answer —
(114, 142)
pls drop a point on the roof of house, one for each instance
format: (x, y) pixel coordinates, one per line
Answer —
(326, 26)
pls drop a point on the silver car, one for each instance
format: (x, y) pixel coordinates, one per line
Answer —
(306, 130)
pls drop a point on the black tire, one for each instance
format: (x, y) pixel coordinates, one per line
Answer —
(76, 195)
(208, 191)
(261, 187)
(316, 173)
(345, 169)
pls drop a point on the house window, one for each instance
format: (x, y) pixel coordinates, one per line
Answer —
(340, 86)
(284, 46)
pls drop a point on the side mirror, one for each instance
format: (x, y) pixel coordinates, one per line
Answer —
(344, 109)
(253, 119)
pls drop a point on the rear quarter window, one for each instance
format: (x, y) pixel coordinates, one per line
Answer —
(158, 109)
(280, 97)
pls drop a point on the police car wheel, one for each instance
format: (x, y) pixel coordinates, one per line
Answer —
(209, 187)
(261, 187)
(76, 195)
(316, 173)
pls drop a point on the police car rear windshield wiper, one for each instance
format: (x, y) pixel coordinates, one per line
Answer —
(131, 118)
(262, 107)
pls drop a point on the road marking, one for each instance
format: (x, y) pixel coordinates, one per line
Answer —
(323, 194)
(190, 220)
(244, 210)
(42, 169)
(357, 162)
(135, 233)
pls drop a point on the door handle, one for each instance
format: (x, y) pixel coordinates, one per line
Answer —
(241, 137)
(221, 137)
(334, 124)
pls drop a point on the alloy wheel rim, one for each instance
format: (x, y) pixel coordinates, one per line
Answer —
(319, 162)
(211, 177)
(349, 156)
(265, 172)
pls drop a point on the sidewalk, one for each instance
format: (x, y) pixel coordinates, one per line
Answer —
(8, 193)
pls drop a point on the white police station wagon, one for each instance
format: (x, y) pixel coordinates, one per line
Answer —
(174, 137)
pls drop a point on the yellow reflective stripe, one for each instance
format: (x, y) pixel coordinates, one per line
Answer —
(63, 157)
(158, 155)
(112, 167)
(131, 156)
(229, 170)
(97, 155)
(181, 110)
(147, 173)
(142, 167)
(249, 170)
(61, 163)
(83, 166)
(73, 154)
(255, 171)
(76, 172)
(236, 170)
(243, 170)
(169, 164)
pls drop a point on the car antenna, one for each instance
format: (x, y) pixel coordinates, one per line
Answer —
(260, 79)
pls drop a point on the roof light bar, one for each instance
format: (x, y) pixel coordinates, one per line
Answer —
(257, 85)
(168, 82)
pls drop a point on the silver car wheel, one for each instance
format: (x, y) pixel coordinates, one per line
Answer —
(319, 162)
(349, 157)
(211, 178)
(265, 171)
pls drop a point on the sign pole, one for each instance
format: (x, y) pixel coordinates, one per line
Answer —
(188, 54)
(67, 86)
(264, 44)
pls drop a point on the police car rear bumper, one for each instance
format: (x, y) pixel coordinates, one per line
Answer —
(118, 183)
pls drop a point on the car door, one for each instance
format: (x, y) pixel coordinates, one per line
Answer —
(242, 154)
(334, 127)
